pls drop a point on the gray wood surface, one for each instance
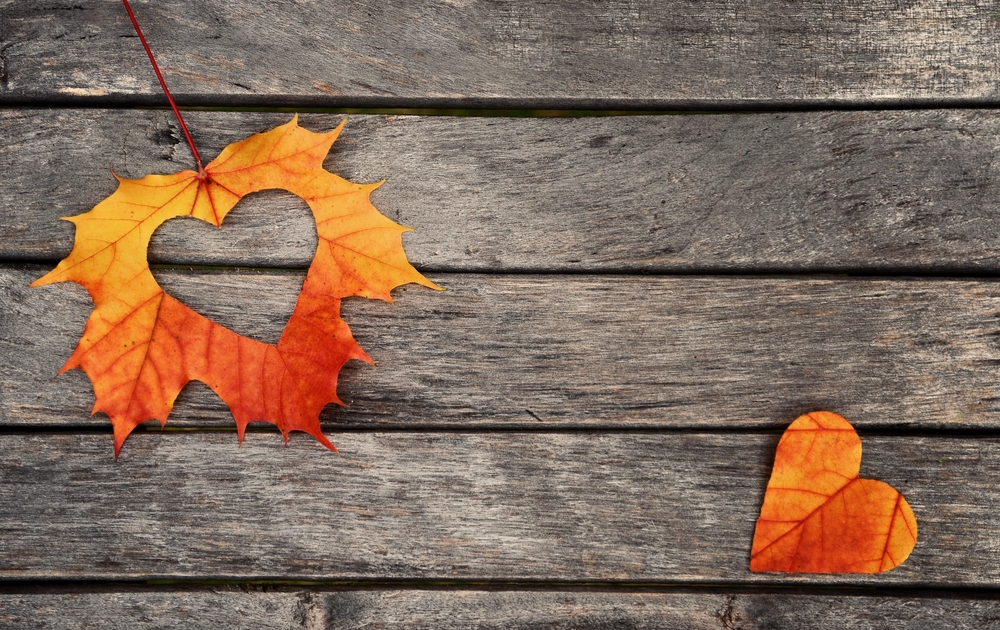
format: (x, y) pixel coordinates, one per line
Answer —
(593, 611)
(564, 351)
(483, 610)
(580, 506)
(615, 431)
(869, 191)
(627, 53)
(167, 609)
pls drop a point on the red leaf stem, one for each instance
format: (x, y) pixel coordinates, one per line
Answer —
(163, 84)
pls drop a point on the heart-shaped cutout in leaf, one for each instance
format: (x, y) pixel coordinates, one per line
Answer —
(819, 516)
(264, 228)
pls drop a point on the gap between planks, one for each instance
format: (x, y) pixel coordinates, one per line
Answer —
(195, 585)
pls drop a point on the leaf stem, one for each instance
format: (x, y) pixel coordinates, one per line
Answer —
(163, 84)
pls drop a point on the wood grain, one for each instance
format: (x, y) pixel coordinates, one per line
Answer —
(886, 192)
(565, 351)
(578, 506)
(680, 611)
(168, 609)
(486, 610)
(451, 53)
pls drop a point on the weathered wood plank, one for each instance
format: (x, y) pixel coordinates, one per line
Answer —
(167, 610)
(639, 53)
(451, 610)
(871, 191)
(508, 610)
(559, 351)
(675, 507)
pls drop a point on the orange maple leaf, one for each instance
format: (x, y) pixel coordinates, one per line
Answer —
(819, 516)
(141, 346)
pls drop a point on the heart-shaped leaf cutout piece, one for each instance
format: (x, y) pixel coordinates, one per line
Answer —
(819, 516)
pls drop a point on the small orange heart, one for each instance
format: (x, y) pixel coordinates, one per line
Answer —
(819, 516)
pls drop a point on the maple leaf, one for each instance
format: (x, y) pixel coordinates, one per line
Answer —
(819, 516)
(140, 346)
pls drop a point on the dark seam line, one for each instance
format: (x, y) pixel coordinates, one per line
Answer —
(922, 591)
(484, 106)
(957, 274)
(333, 428)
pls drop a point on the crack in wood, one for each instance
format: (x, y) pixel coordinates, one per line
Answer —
(728, 615)
(3, 49)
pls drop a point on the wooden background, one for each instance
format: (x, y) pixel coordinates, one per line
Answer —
(578, 432)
